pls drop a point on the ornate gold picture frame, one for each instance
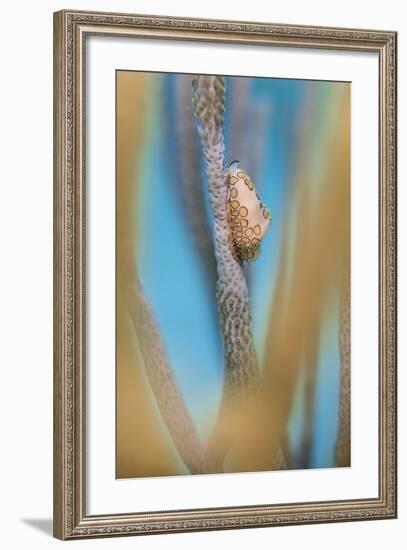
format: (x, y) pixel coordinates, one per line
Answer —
(72, 30)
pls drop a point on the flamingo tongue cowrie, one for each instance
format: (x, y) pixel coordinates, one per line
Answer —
(249, 219)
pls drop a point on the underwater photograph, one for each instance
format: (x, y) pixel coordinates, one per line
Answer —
(232, 274)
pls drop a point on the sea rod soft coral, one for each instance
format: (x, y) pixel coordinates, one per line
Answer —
(242, 372)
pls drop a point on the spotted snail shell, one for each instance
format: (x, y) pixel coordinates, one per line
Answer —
(249, 219)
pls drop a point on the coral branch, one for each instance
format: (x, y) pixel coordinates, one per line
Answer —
(311, 364)
(188, 153)
(169, 399)
(242, 373)
(342, 450)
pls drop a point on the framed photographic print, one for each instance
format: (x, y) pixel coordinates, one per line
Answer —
(225, 274)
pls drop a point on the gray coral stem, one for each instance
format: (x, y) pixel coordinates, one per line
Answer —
(242, 373)
(190, 178)
(342, 449)
(169, 399)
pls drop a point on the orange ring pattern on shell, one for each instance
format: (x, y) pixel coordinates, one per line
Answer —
(245, 245)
